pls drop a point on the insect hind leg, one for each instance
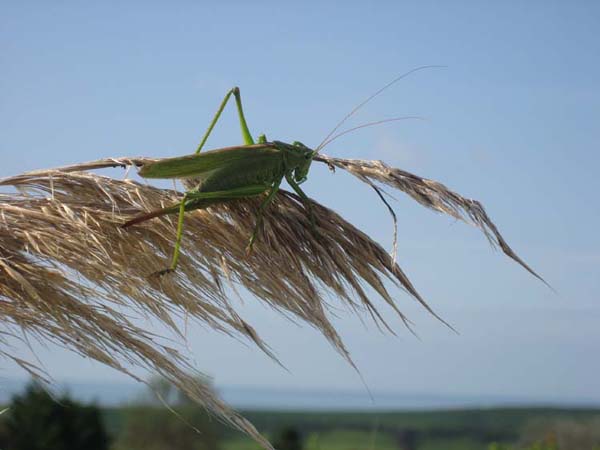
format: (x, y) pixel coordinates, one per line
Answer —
(243, 125)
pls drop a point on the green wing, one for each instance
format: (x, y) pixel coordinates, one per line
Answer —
(195, 165)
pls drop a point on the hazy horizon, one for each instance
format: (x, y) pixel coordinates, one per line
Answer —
(119, 393)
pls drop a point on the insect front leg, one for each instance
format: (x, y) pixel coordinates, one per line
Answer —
(305, 200)
(243, 125)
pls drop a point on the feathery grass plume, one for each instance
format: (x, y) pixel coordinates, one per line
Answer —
(69, 274)
(429, 193)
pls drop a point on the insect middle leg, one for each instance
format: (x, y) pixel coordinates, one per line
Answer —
(261, 210)
(199, 200)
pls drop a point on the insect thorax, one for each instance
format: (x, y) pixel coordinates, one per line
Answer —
(298, 158)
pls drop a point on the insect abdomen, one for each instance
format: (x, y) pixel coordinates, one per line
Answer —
(257, 170)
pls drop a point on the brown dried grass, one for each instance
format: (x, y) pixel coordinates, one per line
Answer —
(429, 193)
(69, 274)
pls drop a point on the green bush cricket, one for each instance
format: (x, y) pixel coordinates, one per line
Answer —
(243, 171)
(231, 173)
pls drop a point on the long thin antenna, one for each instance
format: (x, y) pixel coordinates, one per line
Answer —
(366, 125)
(368, 99)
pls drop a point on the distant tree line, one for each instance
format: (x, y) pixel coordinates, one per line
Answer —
(36, 421)
(165, 419)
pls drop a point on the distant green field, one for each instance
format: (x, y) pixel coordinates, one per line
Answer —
(427, 430)
(329, 440)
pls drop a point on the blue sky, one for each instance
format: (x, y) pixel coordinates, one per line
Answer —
(512, 121)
